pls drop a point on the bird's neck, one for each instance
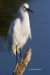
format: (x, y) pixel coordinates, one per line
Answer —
(25, 16)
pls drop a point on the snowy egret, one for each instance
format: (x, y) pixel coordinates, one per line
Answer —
(19, 30)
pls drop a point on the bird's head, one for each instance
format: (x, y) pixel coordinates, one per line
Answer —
(25, 8)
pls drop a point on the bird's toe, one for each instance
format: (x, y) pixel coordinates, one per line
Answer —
(24, 62)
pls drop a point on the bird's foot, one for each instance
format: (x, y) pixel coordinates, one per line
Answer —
(15, 67)
(16, 64)
(18, 67)
(24, 61)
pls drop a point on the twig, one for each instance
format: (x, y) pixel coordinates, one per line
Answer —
(19, 70)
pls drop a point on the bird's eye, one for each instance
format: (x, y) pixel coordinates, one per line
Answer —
(24, 7)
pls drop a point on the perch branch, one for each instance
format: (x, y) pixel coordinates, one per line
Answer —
(19, 70)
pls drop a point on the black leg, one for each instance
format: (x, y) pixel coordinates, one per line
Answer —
(16, 54)
(20, 55)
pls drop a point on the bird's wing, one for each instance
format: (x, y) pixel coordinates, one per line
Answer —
(13, 33)
(30, 34)
(14, 26)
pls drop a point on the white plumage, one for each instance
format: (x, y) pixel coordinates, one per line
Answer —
(19, 30)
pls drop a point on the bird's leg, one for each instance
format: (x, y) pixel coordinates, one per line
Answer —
(20, 54)
(16, 55)
(22, 60)
(17, 66)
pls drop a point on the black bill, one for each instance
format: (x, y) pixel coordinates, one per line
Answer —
(30, 10)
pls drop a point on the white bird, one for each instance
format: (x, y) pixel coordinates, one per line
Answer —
(19, 30)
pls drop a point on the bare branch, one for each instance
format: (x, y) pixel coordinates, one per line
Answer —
(19, 69)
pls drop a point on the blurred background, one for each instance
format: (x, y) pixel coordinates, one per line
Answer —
(40, 43)
(8, 12)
